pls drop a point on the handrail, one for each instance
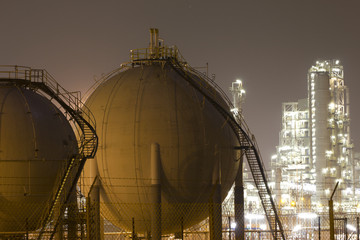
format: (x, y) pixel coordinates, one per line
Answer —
(72, 99)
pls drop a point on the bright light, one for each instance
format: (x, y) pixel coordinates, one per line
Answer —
(351, 227)
(233, 225)
(297, 228)
(238, 81)
(251, 216)
(235, 111)
(263, 226)
(307, 215)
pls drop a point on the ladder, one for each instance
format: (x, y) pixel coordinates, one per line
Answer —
(42, 82)
(247, 141)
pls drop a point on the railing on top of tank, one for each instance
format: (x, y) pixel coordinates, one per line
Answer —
(13, 72)
(72, 99)
(40, 75)
(164, 52)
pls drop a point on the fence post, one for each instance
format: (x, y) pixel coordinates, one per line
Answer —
(345, 226)
(27, 229)
(319, 227)
(229, 228)
(182, 228)
(133, 229)
(357, 228)
(331, 214)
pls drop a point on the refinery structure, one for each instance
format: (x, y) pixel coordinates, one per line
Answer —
(315, 149)
(158, 151)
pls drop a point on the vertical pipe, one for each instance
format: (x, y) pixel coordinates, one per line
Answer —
(156, 192)
(156, 42)
(239, 203)
(151, 45)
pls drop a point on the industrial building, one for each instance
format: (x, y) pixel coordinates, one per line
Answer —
(151, 154)
(315, 149)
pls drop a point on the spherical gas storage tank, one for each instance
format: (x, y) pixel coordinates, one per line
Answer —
(153, 103)
(36, 141)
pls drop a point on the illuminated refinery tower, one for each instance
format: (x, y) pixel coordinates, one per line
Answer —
(330, 146)
(291, 167)
(315, 150)
(238, 94)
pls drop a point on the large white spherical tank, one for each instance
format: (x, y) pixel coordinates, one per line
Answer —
(149, 104)
(36, 140)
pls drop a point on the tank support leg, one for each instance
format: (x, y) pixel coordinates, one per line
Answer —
(156, 192)
(93, 205)
(239, 204)
(215, 220)
(215, 213)
(72, 217)
(58, 215)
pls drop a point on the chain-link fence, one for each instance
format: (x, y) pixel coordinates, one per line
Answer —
(88, 219)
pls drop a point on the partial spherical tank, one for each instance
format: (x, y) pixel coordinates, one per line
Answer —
(36, 140)
(153, 103)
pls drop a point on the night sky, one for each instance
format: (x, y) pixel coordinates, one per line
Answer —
(269, 44)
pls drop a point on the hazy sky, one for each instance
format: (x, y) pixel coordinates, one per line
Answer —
(269, 44)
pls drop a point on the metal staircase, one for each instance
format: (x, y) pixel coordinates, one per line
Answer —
(247, 141)
(81, 118)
